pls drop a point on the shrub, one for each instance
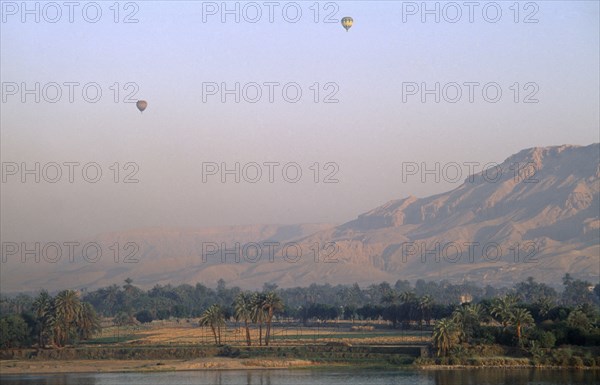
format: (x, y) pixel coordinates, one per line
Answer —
(486, 335)
(588, 361)
(506, 337)
(592, 338)
(397, 359)
(144, 316)
(576, 362)
(543, 339)
(14, 332)
(458, 351)
(474, 362)
(576, 336)
(228, 351)
(425, 361)
(562, 356)
(538, 361)
(485, 350)
(579, 320)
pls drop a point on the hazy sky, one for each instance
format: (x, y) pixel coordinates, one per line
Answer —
(367, 135)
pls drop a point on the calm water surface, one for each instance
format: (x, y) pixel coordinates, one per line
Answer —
(320, 377)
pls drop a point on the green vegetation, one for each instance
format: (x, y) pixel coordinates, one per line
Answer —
(56, 321)
(530, 324)
(243, 312)
(213, 317)
(518, 332)
(14, 332)
(445, 336)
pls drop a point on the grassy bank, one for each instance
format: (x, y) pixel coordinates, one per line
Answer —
(167, 358)
(113, 366)
(316, 353)
(510, 357)
(184, 347)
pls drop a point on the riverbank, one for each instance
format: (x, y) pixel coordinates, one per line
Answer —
(507, 367)
(20, 367)
(322, 352)
(121, 358)
(116, 366)
(157, 358)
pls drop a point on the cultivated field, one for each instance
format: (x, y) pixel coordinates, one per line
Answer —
(187, 332)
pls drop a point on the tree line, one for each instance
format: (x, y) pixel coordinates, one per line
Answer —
(258, 308)
(531, 320)
(50, 321)
(71, 316)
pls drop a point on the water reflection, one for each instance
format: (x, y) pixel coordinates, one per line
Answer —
(321, 377)
(514, 377)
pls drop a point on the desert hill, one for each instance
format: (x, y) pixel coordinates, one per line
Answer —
(535, 214)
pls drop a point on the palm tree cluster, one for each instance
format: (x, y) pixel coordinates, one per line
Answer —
(407, 308)
(445, 336)
(63, 319)
(468, 318)
(213, 317)
(506, 311)
(466, 321)
(257, 308)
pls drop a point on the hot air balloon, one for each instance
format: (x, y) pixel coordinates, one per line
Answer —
(347, 22)
(141, 105)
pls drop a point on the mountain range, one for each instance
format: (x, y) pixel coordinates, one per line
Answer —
(535, 214)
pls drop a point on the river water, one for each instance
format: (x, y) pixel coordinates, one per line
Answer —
(319, 376)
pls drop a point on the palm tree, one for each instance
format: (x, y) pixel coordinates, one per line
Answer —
(67, 307)
(502, 308)
(389, 297)
(544, 304)
(43, 310)
(460, 318)
(425, 303)
(520, 318)
(467, 319)
(110, 299)
(243, 312)
(213, 317)
(272, 303)
(409, 299)
(88, 322)
(258, 313)
(445, 336)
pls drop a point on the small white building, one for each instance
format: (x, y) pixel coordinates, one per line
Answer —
(466, 298)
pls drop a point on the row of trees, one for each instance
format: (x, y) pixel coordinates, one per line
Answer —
(258, 308)
(51, 321)
(165, 301)
(507, 321)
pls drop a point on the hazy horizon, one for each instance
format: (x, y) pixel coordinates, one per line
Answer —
(362, 141)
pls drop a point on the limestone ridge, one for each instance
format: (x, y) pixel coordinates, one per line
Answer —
(542, 213)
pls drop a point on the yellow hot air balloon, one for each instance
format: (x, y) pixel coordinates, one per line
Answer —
(347, 22)
(141, 105)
